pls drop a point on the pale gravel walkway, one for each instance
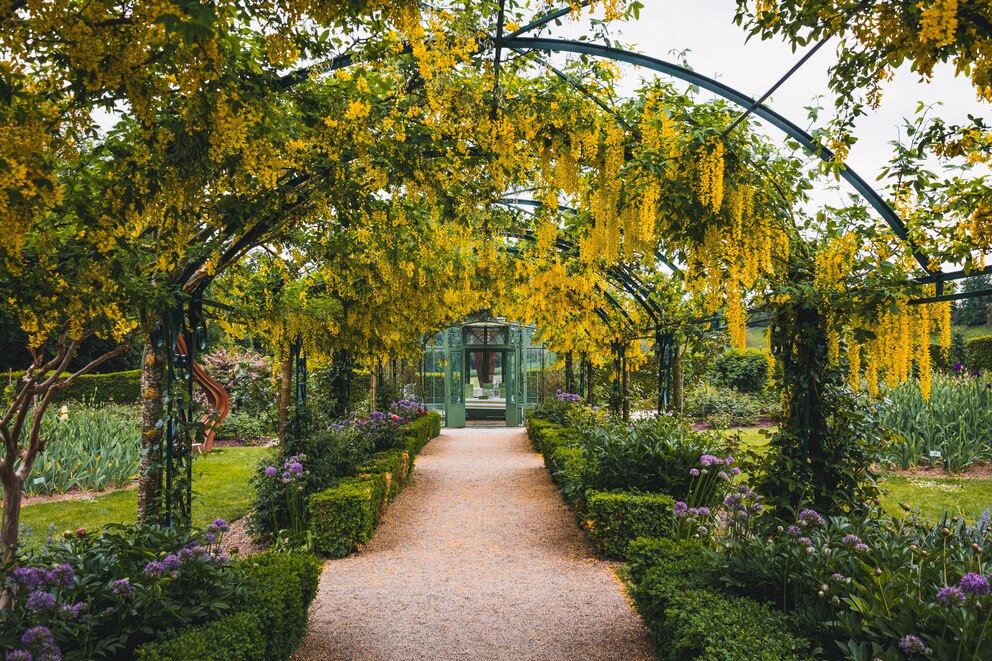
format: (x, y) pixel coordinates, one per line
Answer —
(479, 558)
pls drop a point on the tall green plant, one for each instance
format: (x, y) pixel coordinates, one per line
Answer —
(955, 422)
(86, 448)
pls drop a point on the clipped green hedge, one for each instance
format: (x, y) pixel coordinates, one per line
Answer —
(568, 468)
(980, 353)
(269, 623)
(689, 619)
(394, 467)
(117, 387)
(345, 515)
(616, 518)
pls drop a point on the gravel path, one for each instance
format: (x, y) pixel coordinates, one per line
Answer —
(479, 558)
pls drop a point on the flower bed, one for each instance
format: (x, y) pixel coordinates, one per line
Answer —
(131, 591)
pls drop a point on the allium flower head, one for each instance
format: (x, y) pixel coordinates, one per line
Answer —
(850, 540)
(680, 508)
(271, 471)
(810, 517)
(40, 600)
(911, 644)
(694, 472)
(171, 562)
(974, 584)
(29, 577)
(41, 636)
(61, 575)
(17, 655)
(154, 568)
(122, 586)
(950, 596)
(709, 460)
(221, 525)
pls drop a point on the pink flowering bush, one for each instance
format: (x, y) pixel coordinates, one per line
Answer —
(247, 377)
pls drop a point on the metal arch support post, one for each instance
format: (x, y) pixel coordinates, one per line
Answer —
(734, 96)
(299, 360)
(665, 351)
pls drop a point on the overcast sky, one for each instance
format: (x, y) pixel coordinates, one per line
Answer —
(718, 48)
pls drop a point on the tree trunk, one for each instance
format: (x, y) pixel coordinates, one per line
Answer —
(625, 388)
(150, 468)
(374, 390)
(12, 492)
(589, 395)
(285, 393)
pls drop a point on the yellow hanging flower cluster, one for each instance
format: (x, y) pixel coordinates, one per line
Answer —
(711, 166)
(939, 22)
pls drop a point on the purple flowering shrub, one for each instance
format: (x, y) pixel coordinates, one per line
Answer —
(407, 409)
(559, 409)
(100, 595)
(873, 587)
(380, 428)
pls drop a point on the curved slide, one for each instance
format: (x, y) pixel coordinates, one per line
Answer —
(217, 396)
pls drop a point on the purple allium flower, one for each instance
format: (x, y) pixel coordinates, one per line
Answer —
(910, 644)
(122, 586)
(805, 541)
(29, 577)
(271, 471)
(286, 477)
(220, 525)
(861, 548)
(974, 584)
(950, 596)
(17, 655)
(40, 600)
(694, 472)
(702, 530)
(729, 460)
(154, 568)
(71, 611)
(810, 517)
(723, 476)
(705, 511)
(41, 636)
(61, 575)
(735, 471)
(693, 511)
(680, 508)
(210, 538)
(296, 468)
(709, 460)
(171, 562)
(795, 531)
(850, 540)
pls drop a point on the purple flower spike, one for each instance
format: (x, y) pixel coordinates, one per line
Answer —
(950, 596)
(974, 584)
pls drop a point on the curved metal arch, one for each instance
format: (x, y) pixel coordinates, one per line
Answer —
(734, 96)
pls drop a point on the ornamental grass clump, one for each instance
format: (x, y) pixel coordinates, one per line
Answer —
(101, 595)
(874, 586)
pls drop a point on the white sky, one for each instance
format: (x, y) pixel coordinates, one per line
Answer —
(718, 49)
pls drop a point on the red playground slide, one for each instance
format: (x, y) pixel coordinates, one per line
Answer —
(218, 398)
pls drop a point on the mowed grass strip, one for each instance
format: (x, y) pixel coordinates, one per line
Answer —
(220, 490)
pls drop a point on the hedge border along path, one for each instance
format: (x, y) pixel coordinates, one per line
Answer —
(478, 558)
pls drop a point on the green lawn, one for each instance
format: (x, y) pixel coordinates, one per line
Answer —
(964, 496)
(972, 331)
(756, 338)
(220, 489)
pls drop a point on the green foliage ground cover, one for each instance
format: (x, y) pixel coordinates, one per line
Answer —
(220, 486)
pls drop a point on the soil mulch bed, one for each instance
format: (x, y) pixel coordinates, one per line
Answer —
(479, 558)
(978, 471)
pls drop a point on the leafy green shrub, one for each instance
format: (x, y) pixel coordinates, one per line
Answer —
(103, 594)
(688, 619)
(721, 407)
(956, 421)
(88, 448)
(271, 620)
(416, 434)
(744, 371)
(980, 353)
(95, 389)
(556, 437)
(862, 585)
(244, 425)
(393, 465)
(652, 454)
(238, 636)
(617, 518)
(331, 454)
(343, 516)
(554, 409)
(568, 468)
